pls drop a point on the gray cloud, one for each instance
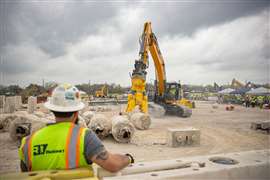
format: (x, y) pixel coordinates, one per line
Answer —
(81, 41)
(51, 25)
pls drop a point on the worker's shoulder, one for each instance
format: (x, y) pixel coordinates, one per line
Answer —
(88, 132)
(90, 136)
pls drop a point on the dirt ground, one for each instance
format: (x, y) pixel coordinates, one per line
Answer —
(221, 132)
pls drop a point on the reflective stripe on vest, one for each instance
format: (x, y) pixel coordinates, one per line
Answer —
(27, 151)
(73, 147)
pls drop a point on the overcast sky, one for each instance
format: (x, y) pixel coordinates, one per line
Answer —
(201, 41)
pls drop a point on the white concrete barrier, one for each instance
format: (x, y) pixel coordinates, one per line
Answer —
(248, 165)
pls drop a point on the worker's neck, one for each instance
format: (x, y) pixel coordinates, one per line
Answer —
(61, 119)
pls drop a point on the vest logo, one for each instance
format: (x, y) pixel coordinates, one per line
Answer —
(41, 149)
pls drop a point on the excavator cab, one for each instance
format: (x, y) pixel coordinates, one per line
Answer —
(172, 91)
(171, 100)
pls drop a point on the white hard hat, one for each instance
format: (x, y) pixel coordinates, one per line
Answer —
(65, 98)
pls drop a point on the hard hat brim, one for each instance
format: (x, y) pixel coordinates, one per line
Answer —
(52, 107)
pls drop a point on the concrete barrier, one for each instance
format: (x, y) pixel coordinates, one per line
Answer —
(245, 165)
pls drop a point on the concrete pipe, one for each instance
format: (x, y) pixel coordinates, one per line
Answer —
(122, 129)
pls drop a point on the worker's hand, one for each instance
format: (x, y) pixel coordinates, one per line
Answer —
(131, 159)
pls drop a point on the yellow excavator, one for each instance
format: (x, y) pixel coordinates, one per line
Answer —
(103, 92)
(166, 94)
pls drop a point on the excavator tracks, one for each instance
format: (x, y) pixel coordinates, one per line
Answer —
(177, 110)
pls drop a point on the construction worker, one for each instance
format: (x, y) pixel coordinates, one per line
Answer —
(253, 101)
(64, 144)
(260, 100)
(247, 101)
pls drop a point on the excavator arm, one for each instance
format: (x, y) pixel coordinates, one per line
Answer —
(149, 43)
(137, 95)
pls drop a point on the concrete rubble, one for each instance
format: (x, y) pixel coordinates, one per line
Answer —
(5, 120)
(21, 123)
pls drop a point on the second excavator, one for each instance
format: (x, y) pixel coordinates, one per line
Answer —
(103, 92)
(166, 94)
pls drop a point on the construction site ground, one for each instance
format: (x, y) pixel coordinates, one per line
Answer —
(221, 132)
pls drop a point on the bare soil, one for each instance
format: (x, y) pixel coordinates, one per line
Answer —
(221, 132)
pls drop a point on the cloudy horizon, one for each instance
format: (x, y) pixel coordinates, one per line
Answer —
(77, 42)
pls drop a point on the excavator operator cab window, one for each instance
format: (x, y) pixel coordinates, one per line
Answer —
(172, 91)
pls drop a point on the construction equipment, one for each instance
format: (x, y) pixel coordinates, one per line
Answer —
(166, 94)
(216, 87)
(103, 92)
(237, 84)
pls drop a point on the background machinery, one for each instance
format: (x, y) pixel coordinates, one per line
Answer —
(237, 84)
(166, 94)
(103, 92)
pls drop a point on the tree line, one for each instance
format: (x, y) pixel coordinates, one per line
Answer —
(90, 89)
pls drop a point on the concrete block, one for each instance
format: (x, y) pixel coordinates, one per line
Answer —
(265, 125)
(10, 105)
(2, 101)
(183, 137)
(18, 102)
(32, 104)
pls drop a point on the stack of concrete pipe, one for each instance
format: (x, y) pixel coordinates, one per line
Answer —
(121, 127)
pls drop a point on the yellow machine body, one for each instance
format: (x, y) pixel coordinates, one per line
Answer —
(80, 173)
(138, 97)
(103, 92)
(186, 103)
